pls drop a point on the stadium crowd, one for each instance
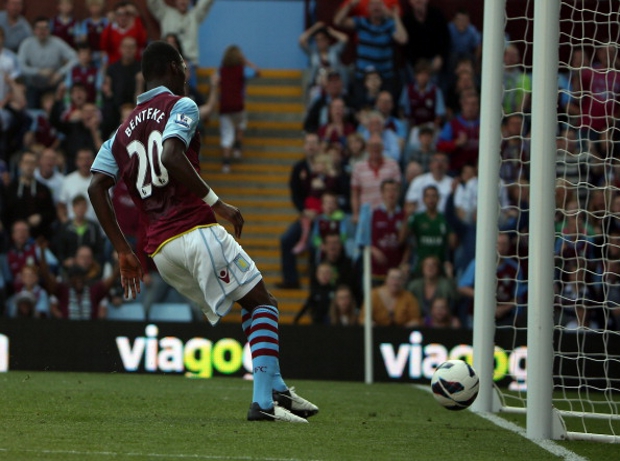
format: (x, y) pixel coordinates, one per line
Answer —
(396, 130)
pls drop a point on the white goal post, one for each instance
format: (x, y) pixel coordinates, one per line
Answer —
(572, 389)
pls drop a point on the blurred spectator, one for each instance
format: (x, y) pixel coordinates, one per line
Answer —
(333, 253)
(337, 127)
(368, 175)
(385, 106)
(23, 306)
(322, 179)
(77, 232)
(47, 172)
(126, 23)
(517, 83)
(234, 71)
(573, 298)
(64, 25)
(440, 315)
(9, 69)
(392, 304)
(354, 152)
(366, 95)
(332, 220)
(15, 120)
(598, 94)
(360, 8)
(429, 37)
(85, 72)
(430, 232)
(85, 259)
(91, 28)
(76, 299)
(323, 56)
(41, 131)
(422, 153)
(373, 124)
(433, 284)
(574, 236)
(460, 137)
(80, 122)
(320, 298)
(514, 150)
(422, 102)
(23, 251)
(386, 222)
(343, 308)
(511, 288)
(465, 82)
(119, 86)
(437, 177)
(465, 39)
(32, 301)
(299, 186)
(376, 35)
(75, 184)
(318, 113)
(44, 61)
(15, 26)
(184, 20)
(30, 200)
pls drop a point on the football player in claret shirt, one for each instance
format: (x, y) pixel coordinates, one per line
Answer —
(155, 151)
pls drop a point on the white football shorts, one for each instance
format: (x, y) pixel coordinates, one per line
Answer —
(229, 124)
(208, 266)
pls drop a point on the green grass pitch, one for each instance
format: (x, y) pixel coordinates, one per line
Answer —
(90, 417)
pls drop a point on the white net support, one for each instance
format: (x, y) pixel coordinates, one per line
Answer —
(586, 306)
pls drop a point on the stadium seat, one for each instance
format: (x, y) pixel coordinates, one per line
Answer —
(127, 311)
(170, 312)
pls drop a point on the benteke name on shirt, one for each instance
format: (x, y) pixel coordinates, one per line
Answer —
(146, 114)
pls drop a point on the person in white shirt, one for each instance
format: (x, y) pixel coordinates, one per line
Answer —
(183, 22)
(47, 172)
(438, 177)
(75, 184)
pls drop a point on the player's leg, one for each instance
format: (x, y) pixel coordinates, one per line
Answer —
(227, 139)
(260, 324)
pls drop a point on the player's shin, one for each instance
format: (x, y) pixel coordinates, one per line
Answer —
(264, 346)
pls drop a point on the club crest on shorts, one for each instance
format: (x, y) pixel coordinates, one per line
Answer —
(223, 276)
(242, 263)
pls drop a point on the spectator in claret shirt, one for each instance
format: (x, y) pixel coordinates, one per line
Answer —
(85, 72)
(64, 24)
(234, 72)
(460, 137)
(91, 28)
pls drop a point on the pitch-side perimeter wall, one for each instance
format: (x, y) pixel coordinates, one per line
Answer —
(308, 352)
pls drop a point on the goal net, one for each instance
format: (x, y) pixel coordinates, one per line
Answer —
(584, 297)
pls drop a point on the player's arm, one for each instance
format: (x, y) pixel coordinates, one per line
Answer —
(130, 267)
(179, 131)
(105, 171)
(181, 170)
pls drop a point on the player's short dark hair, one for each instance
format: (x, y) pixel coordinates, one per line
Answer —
(39, 19)
(387, 182)
(156, 57)
(78, 199)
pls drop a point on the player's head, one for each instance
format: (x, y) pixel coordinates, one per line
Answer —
(162, 64)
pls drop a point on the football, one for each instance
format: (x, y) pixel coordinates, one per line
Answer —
(455, 384)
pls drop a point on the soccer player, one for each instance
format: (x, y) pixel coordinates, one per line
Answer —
(156, 153)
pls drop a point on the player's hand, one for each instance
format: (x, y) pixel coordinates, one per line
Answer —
(230, 214)
(131, 274)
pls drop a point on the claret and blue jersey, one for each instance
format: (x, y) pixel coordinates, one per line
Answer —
(168, 209)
